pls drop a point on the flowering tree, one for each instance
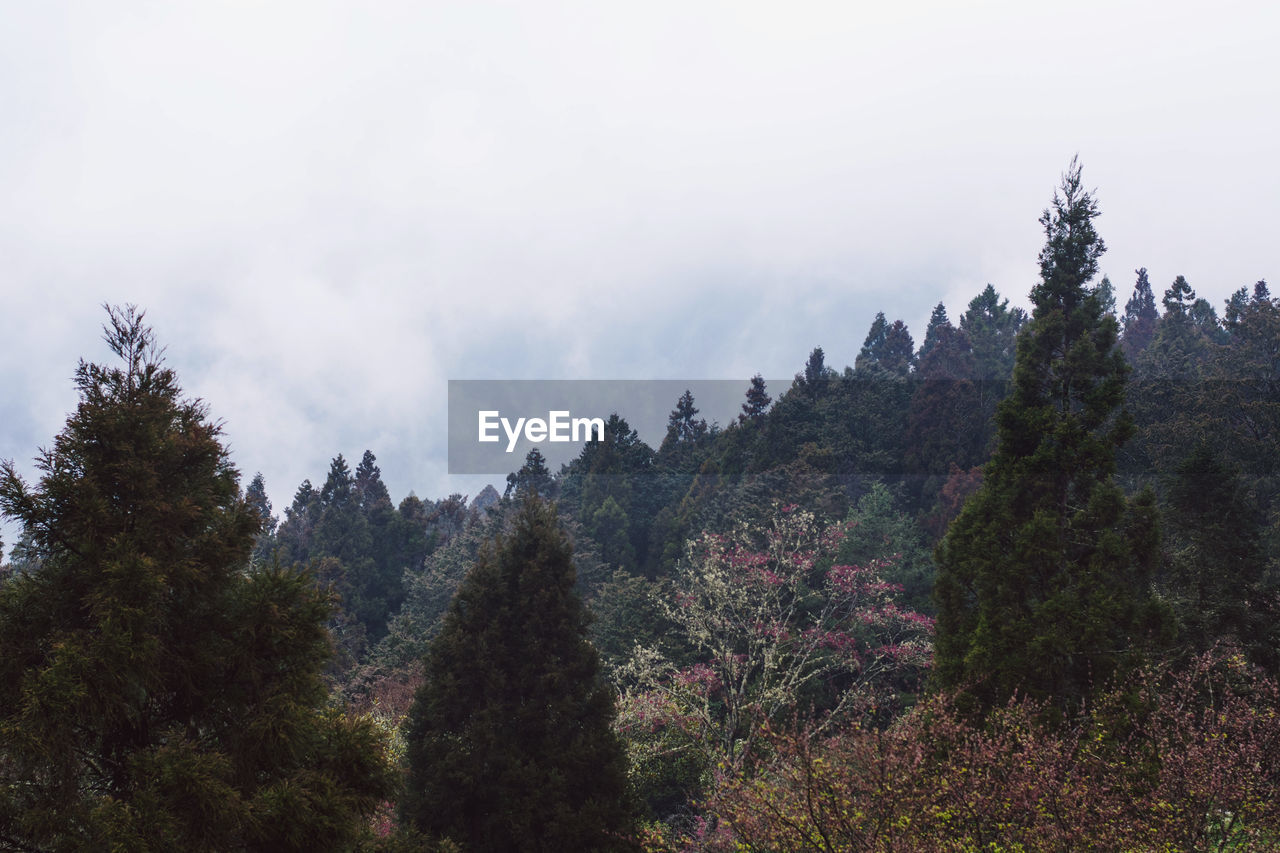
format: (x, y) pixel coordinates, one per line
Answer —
(1170, 761)
(777, 633)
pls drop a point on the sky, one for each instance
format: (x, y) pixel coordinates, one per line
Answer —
(329, 209)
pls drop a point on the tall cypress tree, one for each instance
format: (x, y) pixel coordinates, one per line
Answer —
(1140, 317)
(1043, 578)
(510, 744)
(156, 693)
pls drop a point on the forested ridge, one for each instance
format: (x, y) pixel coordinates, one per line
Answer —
(1016, 587)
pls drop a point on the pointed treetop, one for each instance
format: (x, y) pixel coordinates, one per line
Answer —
(1069, 259)
(338, 484)
(368, 483)
(758, 400)
(1179, 298)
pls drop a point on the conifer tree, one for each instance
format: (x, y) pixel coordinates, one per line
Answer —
(1043, 578)
(510, 745)
(1139, 318)
(992, 327)
(532, 478)
(873, 345)
(758, 400)
(683, 424)
(156, 692)
(937, 322)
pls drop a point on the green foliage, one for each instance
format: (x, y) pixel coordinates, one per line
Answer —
(1140, 318)
(1191, 765)
(876, 530)
(156, 694)
(1217, 579)
(1043, 578)
(532, 478)
(510, 742)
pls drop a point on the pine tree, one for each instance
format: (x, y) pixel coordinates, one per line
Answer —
(1139, 318)
(873, 345)
(1042, 579)
(816, 379)
(157, 693)
(370, 491)
(510, 745)
(532, 478)
(992, 329)
(683, 424)
(898, 356)
(937, 321)
(758, 400)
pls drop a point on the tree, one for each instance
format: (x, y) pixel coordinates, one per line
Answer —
(817, 376)
(1043, 578)
(757, 400)
(532, 478)
(937, 322)
(510, 744)
(992, 327)
(776, 631)
(1139, 318)
(158, 692)
(888, 347)
(683, 424)
(873, 345)
(1217, 580)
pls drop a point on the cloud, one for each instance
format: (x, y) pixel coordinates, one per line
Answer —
(331, 208)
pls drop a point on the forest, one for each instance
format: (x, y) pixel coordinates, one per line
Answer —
(1015, 588)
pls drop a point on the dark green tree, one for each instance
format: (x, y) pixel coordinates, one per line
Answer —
(888, 347)
(937, 321)
(532, 478)
(1140, 318)
(873, 344)
(758, 400)
(898, 356)
(815, 381)
(1217, 578)
(156, 692)
(992, 327)
(1043, 579)
(683, 424)
(510, 745)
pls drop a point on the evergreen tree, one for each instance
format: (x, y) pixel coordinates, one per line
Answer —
(1042, 579)
(1105, 293)
(1217, 580)
(937, 322)
(888, 347)
(898, 355)
(873, 345)
(992, 329)
(817, 376)
(510, 745)
(532, 478)
(1139, 318)
(156, 694)
(683, 424)
(758, 400)
(1178, 299)
(369, 489)
(256, 496)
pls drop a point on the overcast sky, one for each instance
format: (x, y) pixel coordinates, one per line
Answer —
(328, 209)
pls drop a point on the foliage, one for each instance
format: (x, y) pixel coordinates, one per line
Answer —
(510, 744)
(1043, 579)
(157, 694)
(775, 632)
(1192, 764)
